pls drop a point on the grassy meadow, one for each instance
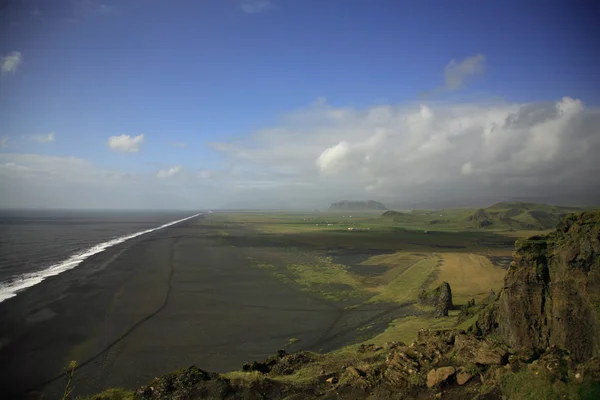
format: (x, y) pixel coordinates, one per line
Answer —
(356, 259)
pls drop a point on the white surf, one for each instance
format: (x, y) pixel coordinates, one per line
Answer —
(12, 287)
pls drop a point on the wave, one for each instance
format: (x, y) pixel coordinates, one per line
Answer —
(19, 283)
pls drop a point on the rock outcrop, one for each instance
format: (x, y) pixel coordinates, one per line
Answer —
(551, 294)
(440, 298)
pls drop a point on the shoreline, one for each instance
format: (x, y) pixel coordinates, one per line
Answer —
(156, 303)
(27, 280)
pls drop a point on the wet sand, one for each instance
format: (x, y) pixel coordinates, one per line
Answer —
(163, 301)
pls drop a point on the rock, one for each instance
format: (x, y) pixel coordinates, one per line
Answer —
(487, 355)
(332, 380)
(363, 348)
(357, 373)
(552, 291)
(440, 298)
(440, 375)
(289, 363)
(463, 377)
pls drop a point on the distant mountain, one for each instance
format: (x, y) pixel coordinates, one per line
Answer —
(356, 206)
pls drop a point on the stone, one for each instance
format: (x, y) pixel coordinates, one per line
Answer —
(440, 298)
(355, 372)
(551, 291)
(487, 355)
(440, 375)
(331, 380)
(463, 377)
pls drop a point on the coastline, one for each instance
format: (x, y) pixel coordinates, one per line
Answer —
(156, 303)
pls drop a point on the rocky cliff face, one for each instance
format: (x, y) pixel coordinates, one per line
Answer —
(551, 294)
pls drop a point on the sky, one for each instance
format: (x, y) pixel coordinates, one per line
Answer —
(157, 104)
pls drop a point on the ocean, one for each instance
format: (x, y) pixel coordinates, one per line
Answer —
(36, 244)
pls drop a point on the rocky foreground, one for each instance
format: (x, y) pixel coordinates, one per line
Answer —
(540, 338)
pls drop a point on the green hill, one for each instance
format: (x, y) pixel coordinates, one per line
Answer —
(500, 216)
(517, 215)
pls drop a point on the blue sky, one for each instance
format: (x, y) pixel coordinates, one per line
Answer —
(217, 88)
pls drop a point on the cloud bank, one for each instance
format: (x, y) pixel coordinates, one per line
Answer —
(432, 152)
(414, 155)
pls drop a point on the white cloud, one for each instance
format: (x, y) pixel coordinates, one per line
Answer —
(166, 173)
(4, 141)
(11, 62)
(180, 145)
(411, 154)
(255, 6)
(334, 158)
(44, 138)
(126, 143)
(457, 73)
(39, 181)
(428, 152)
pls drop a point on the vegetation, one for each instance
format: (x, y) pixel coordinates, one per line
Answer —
(528, 384)
(70, 372)
(502, 216)
(390, 260)
(113, 394)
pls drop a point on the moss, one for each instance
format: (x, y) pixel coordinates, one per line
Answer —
(407, 286)
(535, 385)
(241, 378)
(112, 394)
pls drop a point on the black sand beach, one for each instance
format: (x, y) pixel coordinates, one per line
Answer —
(166, 300)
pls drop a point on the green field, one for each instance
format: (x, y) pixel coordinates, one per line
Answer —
(372, 257)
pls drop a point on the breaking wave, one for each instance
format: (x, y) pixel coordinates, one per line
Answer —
(10, 288)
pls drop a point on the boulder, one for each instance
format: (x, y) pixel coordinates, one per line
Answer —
(438, 376)
(488, 355)
(463, 377)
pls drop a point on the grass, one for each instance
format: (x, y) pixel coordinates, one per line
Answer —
(112, 394)
(469, 275)
(330, 363)
(535, 385)
(418, 255)
(242, 378)
(407, 285)
(405, 329)
(323, 278)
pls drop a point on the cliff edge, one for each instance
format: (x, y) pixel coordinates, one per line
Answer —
(551, 294)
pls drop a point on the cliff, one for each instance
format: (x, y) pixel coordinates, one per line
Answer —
(346, 205)
(551, 295)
